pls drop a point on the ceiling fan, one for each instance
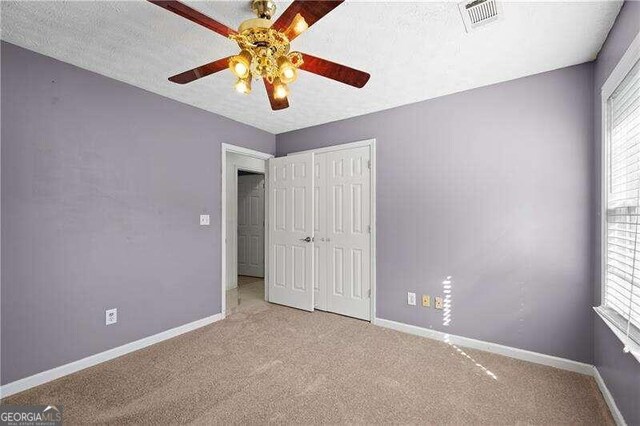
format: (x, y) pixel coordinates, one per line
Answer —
(265, 48)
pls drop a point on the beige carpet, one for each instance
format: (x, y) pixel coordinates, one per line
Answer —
(268, 363)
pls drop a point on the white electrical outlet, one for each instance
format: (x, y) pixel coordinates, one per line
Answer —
(439, 303)
(411, 299)
(111, 316)
(204, 219)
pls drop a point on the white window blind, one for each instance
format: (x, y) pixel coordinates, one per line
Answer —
(621, 292)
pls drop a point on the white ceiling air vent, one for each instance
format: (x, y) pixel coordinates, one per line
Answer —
(477, 13)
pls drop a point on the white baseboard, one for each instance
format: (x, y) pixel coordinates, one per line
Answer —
(615, 412)
(90, 361)
(538, 358)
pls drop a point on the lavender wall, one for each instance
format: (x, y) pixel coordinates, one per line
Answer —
(492, 187)
(102, 188)
(621, 372)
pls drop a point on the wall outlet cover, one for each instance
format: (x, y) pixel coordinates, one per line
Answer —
(439, 303)
(111, 316)
(204, 219)
(426, 300)
(411, 299)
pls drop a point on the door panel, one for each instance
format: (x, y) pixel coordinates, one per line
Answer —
(320, 230)
(291, 221)
(348, 237)
(251, 225)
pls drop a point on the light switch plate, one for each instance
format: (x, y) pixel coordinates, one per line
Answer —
(111, 316)
(204, 219)
(426, 300)
(411, 299)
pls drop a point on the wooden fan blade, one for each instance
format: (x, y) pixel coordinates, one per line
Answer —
(334, 71)
(310, 10)
(201, 71)
(276, 104)
(194, 16)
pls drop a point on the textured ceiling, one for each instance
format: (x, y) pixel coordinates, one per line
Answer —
(413, 50)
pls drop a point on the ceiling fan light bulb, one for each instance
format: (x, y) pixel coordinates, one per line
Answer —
(289, 75)
(240, 63)
(288, 72)
(280, 90)
(243, 85)
(240, 69)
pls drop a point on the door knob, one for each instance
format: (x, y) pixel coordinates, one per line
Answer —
(307, 240)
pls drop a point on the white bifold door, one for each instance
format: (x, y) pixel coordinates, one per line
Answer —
(251, 225)
(291, 231)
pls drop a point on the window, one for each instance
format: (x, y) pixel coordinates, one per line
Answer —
(621, 228)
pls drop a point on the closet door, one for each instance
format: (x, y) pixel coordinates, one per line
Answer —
(347, 238)
(291, 231)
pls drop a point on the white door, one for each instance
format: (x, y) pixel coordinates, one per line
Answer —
(291, 231)
(251, 225)
(320, 264)
(347, 235)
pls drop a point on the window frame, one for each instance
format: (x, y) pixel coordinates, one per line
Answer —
(621, 70)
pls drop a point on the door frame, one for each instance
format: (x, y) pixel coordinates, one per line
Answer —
(371, 143)
(227, 148)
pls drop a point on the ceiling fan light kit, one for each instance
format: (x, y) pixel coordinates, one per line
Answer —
(264, 52)
(265, 48)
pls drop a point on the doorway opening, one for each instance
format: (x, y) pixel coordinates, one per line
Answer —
(243, 235)
(250, 239)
